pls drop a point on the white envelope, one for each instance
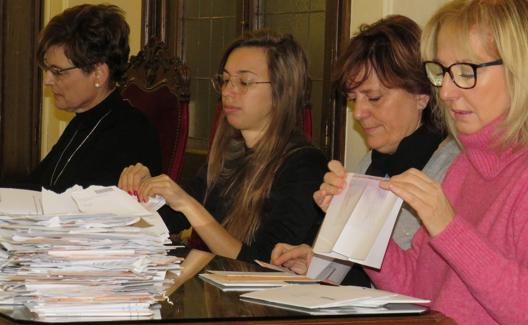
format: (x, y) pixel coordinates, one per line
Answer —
(359, 222)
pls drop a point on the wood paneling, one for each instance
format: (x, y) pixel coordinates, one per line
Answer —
(333, 116)
(20, 89)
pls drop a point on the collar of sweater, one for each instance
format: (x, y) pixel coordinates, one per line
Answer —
(87, 119)
(484, 154)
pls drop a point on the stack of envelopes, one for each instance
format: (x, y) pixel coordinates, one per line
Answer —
(85, 265)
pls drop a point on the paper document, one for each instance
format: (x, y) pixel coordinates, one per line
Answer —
(359, 222)
(20, 202)
(316, 296)
(246, 281)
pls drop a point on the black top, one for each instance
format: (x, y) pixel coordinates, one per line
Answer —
(289, 214)
(96, 146)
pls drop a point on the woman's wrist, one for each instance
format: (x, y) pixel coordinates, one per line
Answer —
(195, 213)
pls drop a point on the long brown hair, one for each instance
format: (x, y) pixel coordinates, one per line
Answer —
(245, 176)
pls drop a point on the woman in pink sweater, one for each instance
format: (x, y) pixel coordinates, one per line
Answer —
(470, 257)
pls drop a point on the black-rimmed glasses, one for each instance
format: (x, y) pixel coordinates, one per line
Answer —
(241, 83)
(464, 75)
(56, 71)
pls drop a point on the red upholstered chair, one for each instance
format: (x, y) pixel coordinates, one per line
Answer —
(159, 86)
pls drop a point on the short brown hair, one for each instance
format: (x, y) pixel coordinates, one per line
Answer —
(391, 48)
(90, 34)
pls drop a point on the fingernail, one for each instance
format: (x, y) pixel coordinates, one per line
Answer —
(130, 193)
(135, 193)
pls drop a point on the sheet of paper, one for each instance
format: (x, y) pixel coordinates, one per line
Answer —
(246, 281)
(110, 199)
(323, 296)
(20, 202)
(272, 267)
(60, 203)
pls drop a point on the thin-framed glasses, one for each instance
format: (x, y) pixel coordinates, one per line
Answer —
(55, 71)
(240, 83)
(464, 75)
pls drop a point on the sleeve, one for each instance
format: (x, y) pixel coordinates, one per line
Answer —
(497, 279)
(290, 213)
(397, 272)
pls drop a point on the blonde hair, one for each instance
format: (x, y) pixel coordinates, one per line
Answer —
(504, 26)
(245, 176)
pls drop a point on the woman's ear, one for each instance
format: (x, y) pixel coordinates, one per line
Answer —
(101, 75)
(422, 101)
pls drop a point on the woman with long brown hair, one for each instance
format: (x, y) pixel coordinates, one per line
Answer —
(261, 170)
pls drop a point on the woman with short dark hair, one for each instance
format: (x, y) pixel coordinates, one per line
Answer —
(83, 53)
(381, 73)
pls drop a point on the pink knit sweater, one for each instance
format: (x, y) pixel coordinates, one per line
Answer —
(476, 270)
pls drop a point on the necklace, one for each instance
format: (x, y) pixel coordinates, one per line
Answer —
(53, 179)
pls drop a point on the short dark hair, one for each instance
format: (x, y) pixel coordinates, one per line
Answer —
(391, 48)
(90, 34)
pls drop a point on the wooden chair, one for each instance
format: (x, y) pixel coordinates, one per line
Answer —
(159, 86)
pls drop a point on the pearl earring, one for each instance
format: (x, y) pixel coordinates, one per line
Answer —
(97, 85)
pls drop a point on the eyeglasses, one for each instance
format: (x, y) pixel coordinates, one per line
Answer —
(464, 75)
(55, 71)
(241, 84)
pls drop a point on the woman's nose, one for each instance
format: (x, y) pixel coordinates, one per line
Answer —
(448, 89)
(229, 89)
(48, 78)
(360, 110)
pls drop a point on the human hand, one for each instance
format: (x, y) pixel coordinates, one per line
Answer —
(296, 258)
(131, 178)
(163, 185)
(334, 183)
(425, 196)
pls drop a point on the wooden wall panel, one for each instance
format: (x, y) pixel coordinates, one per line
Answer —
(20, 89)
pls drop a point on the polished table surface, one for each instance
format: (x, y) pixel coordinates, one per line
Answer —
(192, 301)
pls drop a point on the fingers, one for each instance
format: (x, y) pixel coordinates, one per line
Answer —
(299, 267)
(337, 168)
(303, 253)
(163, 185)
(132, 176)
(425, 196)
(278, 250)
(322, 199)
(155, 185)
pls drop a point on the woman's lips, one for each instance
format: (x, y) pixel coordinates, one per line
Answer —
(230, 109)
(370, 130)
(459, 113)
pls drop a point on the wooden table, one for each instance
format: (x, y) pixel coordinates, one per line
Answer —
(193, 301)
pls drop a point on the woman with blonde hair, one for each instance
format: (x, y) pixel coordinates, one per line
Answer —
(469, 258)
(261, 170)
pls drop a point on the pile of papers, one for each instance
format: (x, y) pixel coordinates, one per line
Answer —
(93, 265)
(323, 300)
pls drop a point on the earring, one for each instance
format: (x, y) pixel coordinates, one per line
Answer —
(97, 85)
